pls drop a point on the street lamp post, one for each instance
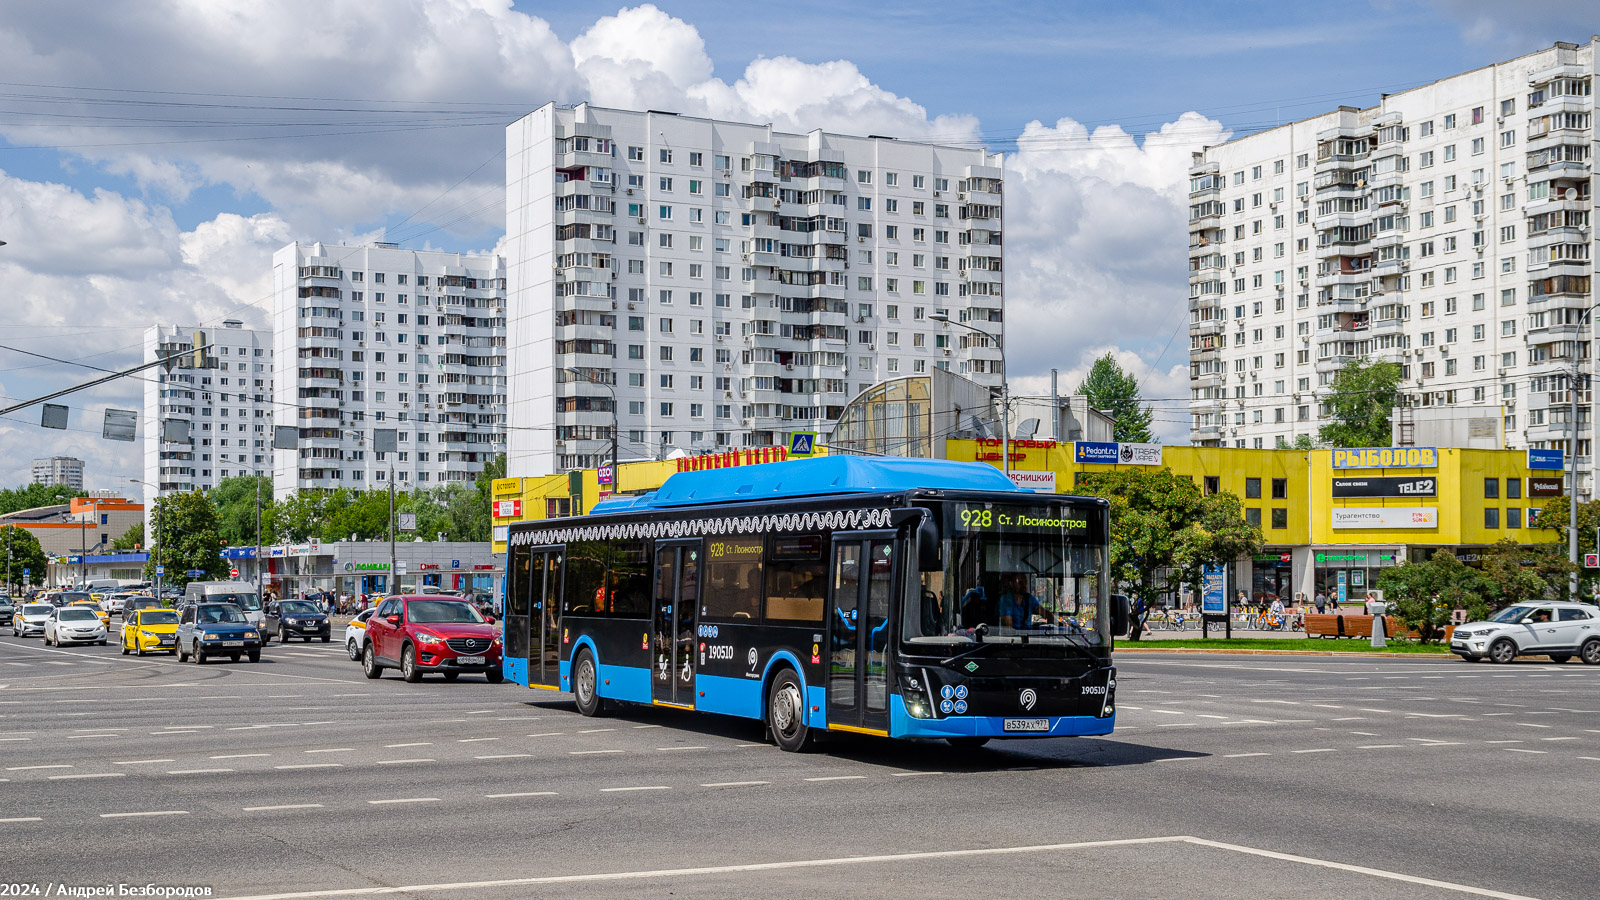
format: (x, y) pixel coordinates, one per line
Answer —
(1572, 467)
(615, 473)
(1005, 390)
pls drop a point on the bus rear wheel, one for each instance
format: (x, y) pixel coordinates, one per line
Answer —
(586, 684)
(786, 713)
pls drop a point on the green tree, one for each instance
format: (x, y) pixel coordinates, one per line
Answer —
(299, 517)
(189, 539)
(30, 496)
(1553, 518)
(364, 514)
(1114, 391)
(1525, 573)
(1301, 442)
(132, 539)
(1360, 402)
(1164, 531)
(235, 500)
(1424, 593)
(21, 548)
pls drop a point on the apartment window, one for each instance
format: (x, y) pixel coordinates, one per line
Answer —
(1280, 518)
(863, 176)
(1212, 483)
(1491, 489)
(1252, 516)
(1280, 488)
(1252, 489)
(1477, 146)
(636, 154)
(1491, 517)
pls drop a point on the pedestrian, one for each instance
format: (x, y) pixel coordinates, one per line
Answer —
(1321, 602)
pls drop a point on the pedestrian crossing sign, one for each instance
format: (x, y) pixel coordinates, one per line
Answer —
(802, 443)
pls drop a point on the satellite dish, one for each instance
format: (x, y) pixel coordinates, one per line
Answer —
(1569, 194)
(1027, 429)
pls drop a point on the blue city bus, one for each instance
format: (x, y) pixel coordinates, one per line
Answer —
(908, 598)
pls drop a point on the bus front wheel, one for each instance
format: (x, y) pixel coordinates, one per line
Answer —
(586, 684)
(786, 713)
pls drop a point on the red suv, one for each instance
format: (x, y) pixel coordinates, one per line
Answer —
(425, 634)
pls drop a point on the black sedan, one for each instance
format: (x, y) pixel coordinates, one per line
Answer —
(302, 619)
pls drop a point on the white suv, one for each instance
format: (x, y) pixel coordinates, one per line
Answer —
(1557, 629)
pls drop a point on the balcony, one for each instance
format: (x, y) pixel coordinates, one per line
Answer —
(1208, 380)
(1208, 326)
(1387, 326)
(1208, 432)
(1204, 221)
(1333, 363)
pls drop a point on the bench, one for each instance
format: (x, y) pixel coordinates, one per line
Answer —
(1350, 625)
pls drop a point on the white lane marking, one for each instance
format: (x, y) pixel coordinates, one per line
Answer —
(742, 746)
(1178, 725)
(1241, 755)
(1379, 746)
(27, 768)
(1170, 712)
(548, 734)
(735, 783)
(195, 771)
(475, 740)
(179, 731)
(1502, 742)
(504, 756)
(406, 800)
(1532, 725)
(396, 762)
(642, 787)
(21, 819)
(914, 774)
(16, 739)
(1559, 739)
(596, 730)
(313, 766)
(73, 737)
(658, 726)
(682, 748)
(838, 778)
(592, 752)
(657, 874)
(129, 815)
(96, 775)
(480, 712)
(521, 794)
(285, 806)
(1521, 750)
(138, 762)
(1364, 733)
(334, 750)
(241, 755)
(1318, 750)
(1591, 758)
(1204, 716)
(398, 746)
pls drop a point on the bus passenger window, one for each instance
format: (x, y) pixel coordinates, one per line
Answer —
(797, 572)
(629, 580)
(732, 580)
(585, 582)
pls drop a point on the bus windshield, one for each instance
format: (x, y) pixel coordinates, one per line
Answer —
(1016, 573)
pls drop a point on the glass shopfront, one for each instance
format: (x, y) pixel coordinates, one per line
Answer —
(1270, 576)
(1354, 569)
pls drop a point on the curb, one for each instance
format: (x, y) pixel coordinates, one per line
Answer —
(1348, 654)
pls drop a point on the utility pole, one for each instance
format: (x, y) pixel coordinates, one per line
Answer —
(257, 560)
(394, 573)
(1572, 482)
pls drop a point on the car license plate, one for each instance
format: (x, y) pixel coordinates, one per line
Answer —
(233, 643)
(1026, 725)
(470, 660)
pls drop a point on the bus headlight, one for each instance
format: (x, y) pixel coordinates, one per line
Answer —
(917, 708)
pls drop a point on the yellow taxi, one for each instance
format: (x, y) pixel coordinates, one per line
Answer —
(105, 617)
(151, 631)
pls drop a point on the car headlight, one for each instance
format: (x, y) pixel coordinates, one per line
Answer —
(250, 635)
(425, 638)
(208, 637)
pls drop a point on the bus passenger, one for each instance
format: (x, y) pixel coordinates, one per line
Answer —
(1018, 607)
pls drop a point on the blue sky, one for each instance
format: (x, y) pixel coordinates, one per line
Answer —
(178, 221)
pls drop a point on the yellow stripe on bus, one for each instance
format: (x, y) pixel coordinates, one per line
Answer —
(872, 731)
(672, 705)
(544, 687)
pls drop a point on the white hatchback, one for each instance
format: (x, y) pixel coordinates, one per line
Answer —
(356, 632)
(1557, 629)
(74, 625)
(30, 619)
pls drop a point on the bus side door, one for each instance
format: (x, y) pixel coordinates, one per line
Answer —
(859, 601)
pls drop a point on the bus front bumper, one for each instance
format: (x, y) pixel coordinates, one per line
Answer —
(903, 725)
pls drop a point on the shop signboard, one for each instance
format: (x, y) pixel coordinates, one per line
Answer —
(1040, 482)
(1385, 487)
(1547, 459)
(1547, 486)
(1386, 517)
(1139, 454)
(1386, 458)
(1111, 453)
(1095, 452)
(1214, 590)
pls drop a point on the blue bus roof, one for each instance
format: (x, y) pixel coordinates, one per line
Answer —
(813, 477)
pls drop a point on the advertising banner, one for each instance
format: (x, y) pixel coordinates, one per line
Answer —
(1111, 453)
(1386, 517)
(1039, 482)
(1547, 487)
(1386, 458)
(1386, 487)
(1214, 590)
(1095, 452)
(1139, 454)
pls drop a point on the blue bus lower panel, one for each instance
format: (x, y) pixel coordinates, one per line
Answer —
(729, 696)
(903, 725)
(629, 683)
(516, 670)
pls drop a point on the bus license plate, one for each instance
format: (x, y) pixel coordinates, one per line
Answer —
(470, 660)
(1027, 725)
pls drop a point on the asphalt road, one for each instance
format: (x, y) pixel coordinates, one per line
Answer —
(1228, 777)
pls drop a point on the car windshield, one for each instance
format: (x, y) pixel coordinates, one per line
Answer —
(442, 611)
(242, 599)
(1512, 614)
(37, 609)
(219, 615)
(158, 617)
(1014, 573)
(77, 614)
(71, 597)
(297, 608)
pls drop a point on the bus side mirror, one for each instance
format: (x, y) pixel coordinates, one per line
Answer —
(928, 546)
(1120, 614)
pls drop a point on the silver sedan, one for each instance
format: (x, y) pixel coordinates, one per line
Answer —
(74, 625)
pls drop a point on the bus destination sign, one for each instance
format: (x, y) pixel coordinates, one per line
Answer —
(1034, 519)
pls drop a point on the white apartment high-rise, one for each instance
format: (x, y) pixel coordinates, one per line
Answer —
(379, 337)
(228, 409)
(64, 470)
(731, 283)
(1447, 229)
